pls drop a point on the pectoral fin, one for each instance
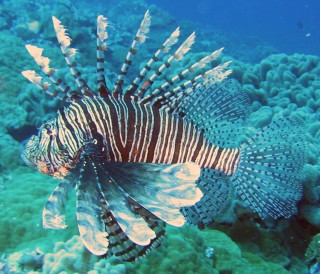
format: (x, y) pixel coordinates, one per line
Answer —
(161, 189)
(53, 214)
(89, 213)
(123, 207)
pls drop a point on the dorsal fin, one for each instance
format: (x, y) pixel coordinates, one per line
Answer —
(177, 56)
(182, 75)
(166, 46)
(65, 92)
(176, 96)
(170, 94)
(69, 54)
(102, 35)
(220, 110)
(138, 40)
(45, 86)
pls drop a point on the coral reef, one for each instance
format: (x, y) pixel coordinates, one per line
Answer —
(312, 255)
(72, 257)
(183, 251)
(22, 262)
(22, 198)
(313, 250)
(282, 84)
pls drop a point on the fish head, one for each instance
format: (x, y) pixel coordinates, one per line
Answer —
(46, 154)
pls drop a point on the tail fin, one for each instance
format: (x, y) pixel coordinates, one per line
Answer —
(268, 177)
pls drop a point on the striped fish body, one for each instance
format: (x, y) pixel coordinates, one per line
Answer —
(126, 131)
(143, 156)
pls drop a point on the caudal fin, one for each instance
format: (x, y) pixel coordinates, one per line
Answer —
(269, 177)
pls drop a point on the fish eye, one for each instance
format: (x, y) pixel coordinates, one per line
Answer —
(49, 129)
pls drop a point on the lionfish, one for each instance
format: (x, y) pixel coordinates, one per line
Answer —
(145, 155)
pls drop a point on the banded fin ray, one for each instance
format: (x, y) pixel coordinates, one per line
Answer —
(132, 225)
(119, 243)
(38, 81)
(168, 89)
(210, 77)
(178, 55)
(140, 38)
(165, 48)
(102, 36)
(64, 91)
(132, 229)
(175, 95)
(69, 55)
(109, 220)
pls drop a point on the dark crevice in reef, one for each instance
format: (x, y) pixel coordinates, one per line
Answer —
(23, 133)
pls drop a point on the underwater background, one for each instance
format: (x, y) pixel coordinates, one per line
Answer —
(275, 49)
(289, 25)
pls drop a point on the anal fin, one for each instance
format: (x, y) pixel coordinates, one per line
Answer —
(217, 195)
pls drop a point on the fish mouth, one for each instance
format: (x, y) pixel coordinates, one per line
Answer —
(44, 167)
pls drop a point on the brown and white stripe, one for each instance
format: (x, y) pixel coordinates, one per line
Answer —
(127, 131)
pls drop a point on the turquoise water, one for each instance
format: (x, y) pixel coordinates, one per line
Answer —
(290, 26)
(277, 65)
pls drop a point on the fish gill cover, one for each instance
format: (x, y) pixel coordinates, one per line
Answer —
(267, 85)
